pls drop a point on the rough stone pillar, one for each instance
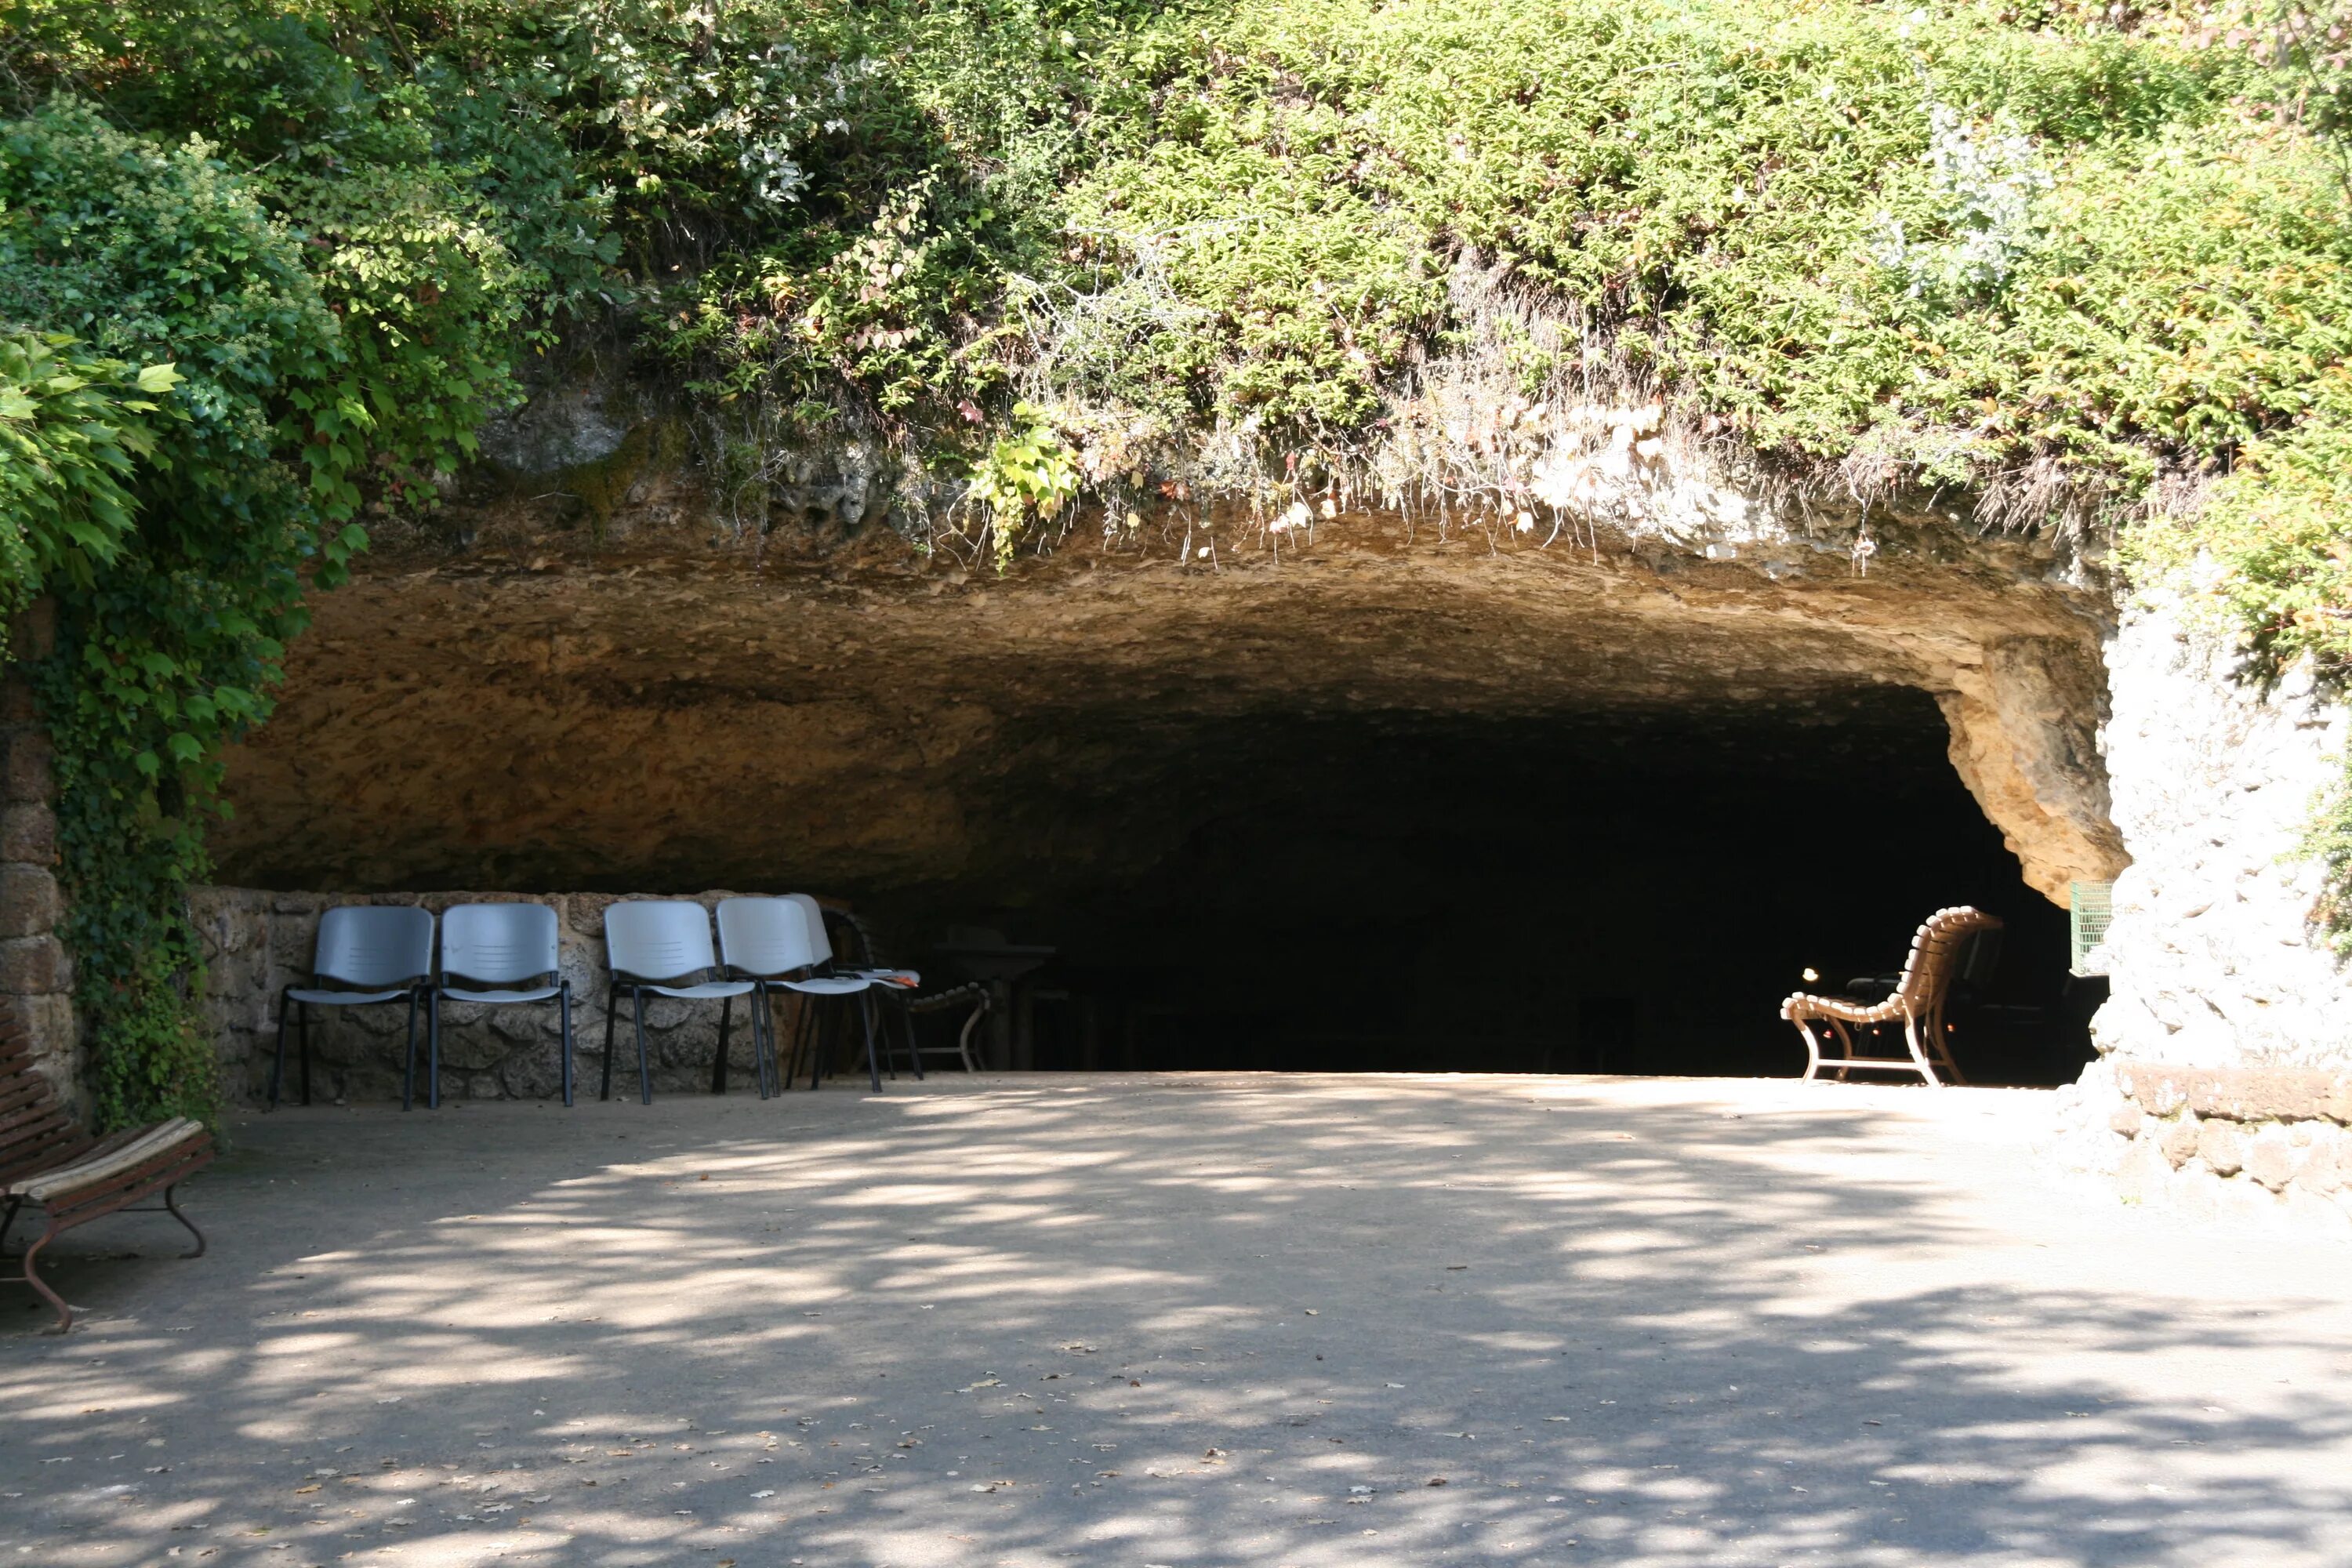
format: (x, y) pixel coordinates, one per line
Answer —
(2024, 720)
(2224, 1083)
(36, 973)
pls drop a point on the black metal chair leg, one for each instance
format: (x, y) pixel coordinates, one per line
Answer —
(800, 1037)
(277, 1072)
(760, 1036)
(645, 1069)
(432, 1050)
(813, 1017)
(914, 1046)
(408, 1063)
(563, 1010)
(873, 1062)
(612, 1000)
(302, 1026)
(725, 1023)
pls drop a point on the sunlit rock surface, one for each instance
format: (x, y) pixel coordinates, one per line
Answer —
(677, 709)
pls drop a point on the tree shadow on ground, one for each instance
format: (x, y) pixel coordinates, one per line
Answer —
(1201, 1322)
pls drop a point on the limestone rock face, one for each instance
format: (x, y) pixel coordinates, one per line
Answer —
(675, 712)
(2213, 957)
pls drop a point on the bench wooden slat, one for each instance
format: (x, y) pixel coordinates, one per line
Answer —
(104, 1175)
(1916, 1003)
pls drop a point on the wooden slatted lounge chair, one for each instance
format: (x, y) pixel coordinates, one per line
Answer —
(46, 1162)
(898, 988)
(1918, 1003)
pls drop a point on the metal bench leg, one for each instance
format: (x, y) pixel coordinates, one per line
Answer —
(172, 1202)
(1813, 1049)
(58, 1303)
(1919, 1052)
(963, 1039)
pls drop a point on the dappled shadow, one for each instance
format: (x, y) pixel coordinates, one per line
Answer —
(1182, 1321)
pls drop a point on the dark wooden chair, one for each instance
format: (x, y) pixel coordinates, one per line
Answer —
(1916, 1003)
(48, 1162)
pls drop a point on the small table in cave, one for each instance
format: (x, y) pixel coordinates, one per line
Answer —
(998, 965)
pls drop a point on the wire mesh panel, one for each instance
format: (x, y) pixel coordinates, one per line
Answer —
(2092, 905)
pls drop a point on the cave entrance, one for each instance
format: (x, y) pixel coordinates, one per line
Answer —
(1623, 891)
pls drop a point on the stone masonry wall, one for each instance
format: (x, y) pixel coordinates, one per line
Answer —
(36, 973)
(2224, 1085)
(2264, 1145)
(256, 943)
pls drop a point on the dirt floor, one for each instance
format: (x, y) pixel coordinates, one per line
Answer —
(1182, 1319)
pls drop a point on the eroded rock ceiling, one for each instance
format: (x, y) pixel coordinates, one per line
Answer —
(672, 711)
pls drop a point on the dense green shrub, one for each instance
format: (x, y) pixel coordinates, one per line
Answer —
(168, 633)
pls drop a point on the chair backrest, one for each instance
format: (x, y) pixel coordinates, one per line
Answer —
(1936, 953)
(499, 944)
(764, 937)
(814, 913)
(1979, 958)
(658, 939)
(372, 946)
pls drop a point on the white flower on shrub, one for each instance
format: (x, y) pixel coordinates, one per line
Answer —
(1985, 179)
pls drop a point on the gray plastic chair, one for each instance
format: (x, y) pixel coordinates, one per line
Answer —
(366, 954)
(661, 947)
(821, 941)
(505, 955)
(766, 942)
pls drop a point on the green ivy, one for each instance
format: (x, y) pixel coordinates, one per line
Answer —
(73, 430)
(314, 376)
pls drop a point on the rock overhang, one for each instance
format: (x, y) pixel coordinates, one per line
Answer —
(654, 709)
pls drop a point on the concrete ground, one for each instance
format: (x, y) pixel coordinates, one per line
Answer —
(1313, 1321)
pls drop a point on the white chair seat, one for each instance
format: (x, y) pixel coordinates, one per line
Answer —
(708, 990)
(826, 986)
(904, 978)
(343, 998)
(536, 994)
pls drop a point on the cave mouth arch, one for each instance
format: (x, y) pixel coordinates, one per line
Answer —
(1621, 890)
(1535, 810)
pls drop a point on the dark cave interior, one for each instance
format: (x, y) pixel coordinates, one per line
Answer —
(1611, 890)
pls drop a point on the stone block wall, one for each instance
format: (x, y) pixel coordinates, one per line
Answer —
(36, 978)
(2258, 1144)
(256, 943)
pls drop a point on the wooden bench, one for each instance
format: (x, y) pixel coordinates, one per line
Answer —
(73, 1178)
(1918, 1002)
